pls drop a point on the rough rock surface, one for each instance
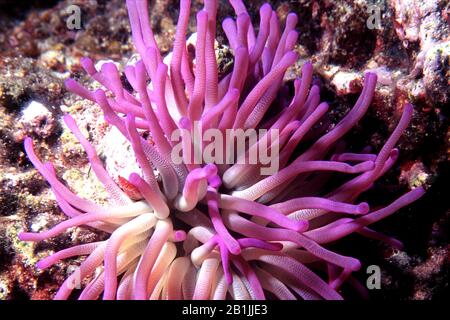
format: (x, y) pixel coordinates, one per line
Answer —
(408, 47)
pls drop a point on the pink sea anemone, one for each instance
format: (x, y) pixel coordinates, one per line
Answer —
(221, 230)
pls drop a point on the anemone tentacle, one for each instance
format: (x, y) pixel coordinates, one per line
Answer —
(219, 230)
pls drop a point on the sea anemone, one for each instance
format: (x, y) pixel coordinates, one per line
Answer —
(213, 229)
